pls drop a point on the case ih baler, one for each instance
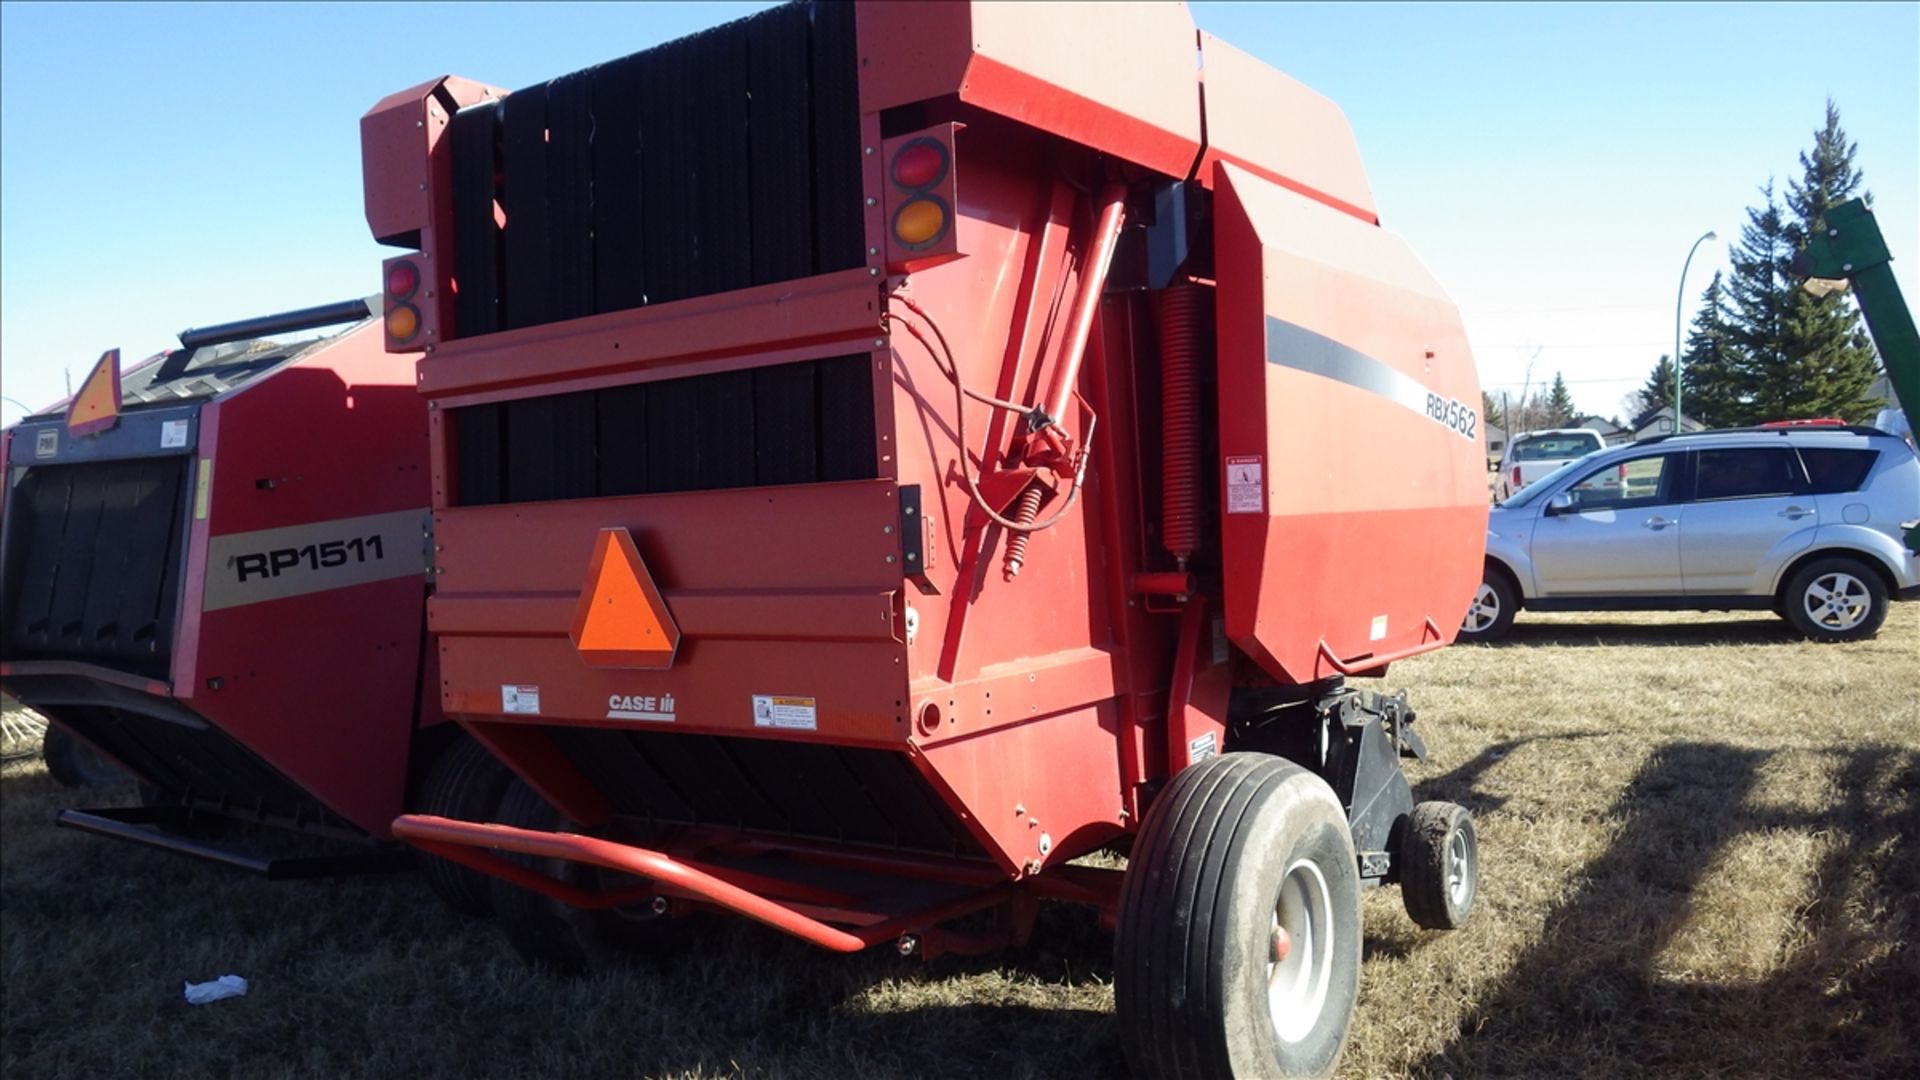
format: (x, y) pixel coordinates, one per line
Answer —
(214, 572)
(884, 453)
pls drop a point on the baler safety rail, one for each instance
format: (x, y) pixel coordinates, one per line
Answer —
(1430, 639)
(474, 844)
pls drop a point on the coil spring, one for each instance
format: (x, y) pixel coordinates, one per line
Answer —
(1025, 509)
(1180, 333)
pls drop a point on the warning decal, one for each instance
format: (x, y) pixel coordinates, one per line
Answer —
(1246, 488)
(520, 699)
(774, 711)
(1202, 748)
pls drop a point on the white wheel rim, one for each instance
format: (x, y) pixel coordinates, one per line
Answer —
(1837, 601)
(1297, 985)
(1459, 869)
(1484, 609)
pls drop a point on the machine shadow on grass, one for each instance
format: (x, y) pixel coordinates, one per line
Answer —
(1758, 629)
(1589, 997)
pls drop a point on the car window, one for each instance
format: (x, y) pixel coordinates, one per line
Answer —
(1635, 482)
(1749, 472)
(1551, 447)
(1835, 471)
(1532, 491)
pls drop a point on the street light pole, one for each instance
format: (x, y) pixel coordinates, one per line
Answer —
(1679, 365)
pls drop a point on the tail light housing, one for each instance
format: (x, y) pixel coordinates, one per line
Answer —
(921, 196)
(1516, 476)
(406, 312)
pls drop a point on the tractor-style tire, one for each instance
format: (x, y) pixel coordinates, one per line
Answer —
(465, 784)
(560, 937)
(1837, 599)
(1490, 614)
(1237, 848)
(74, 763)
(1439, 865)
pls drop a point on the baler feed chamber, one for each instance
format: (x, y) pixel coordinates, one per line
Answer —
(94, 556)
(180, 757)
(1353, 483)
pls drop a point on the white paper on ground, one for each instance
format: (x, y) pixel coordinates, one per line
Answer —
(225, 986)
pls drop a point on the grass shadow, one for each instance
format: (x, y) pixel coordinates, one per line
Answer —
(1590, 998)
(1460, 784)
(1764, 630)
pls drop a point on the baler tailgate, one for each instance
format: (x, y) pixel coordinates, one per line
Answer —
(1353, 470)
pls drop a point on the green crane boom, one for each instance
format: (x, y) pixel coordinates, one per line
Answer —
(1852, 250)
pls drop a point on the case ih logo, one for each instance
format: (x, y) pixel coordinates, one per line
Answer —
(637, 707)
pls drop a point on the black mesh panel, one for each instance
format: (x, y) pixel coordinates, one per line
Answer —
(723, 160)
(797, 423)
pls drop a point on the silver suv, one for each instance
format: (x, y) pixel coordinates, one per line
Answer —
(1815, 523)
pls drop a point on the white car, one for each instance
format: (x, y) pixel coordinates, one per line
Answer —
(1534, 454)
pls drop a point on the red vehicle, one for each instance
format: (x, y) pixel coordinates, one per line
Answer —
(215, 571)
(884, 453)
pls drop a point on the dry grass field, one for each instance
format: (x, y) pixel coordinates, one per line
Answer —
(1701, 844)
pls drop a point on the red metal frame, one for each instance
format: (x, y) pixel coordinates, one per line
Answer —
(1040, 710)
(806, 912)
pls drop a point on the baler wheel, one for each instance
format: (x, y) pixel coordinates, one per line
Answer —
(1439, 865)
(74, 763)
(1238, 947)
(557, 936)
(465, 784)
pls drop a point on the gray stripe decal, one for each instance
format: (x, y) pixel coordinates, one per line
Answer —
(1293, 346)
(272, 564)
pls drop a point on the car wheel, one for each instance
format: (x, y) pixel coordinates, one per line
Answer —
(1835, 600)
(1491, 613)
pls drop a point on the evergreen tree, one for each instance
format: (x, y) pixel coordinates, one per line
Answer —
(1794, 355)
(1830, 354)
(1759, 294)
(1714, 376)
(1490, 411)
(1560, 410)
(1658, 389)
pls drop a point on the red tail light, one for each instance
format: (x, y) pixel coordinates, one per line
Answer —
(920, 164)
(405, 320)
(1516, 476)
(402, 279)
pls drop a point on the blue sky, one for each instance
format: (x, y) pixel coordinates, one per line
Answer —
(165, 166)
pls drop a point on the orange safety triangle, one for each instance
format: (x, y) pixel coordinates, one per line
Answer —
(96, 407)
(622, 621)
